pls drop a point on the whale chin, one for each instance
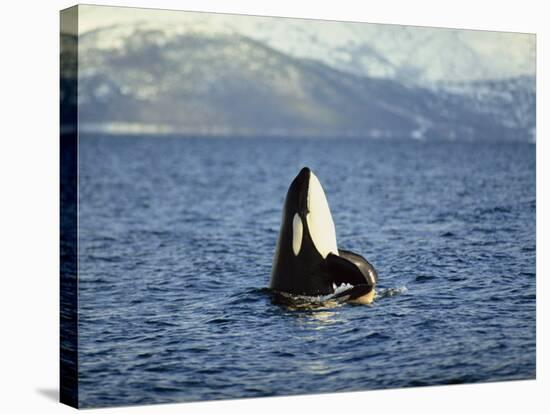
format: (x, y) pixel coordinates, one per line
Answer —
(319, 219)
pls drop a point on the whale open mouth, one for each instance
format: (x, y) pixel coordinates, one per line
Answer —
(343, 292)
(362, 293)
(341, 288)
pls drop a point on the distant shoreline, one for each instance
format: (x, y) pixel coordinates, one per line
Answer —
(170, 132)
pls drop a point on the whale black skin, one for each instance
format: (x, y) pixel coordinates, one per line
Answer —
(309, 272)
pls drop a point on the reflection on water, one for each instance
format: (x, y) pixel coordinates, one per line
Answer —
(319, 320)
(318, 367)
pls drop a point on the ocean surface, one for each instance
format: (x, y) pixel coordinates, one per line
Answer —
(176, 240)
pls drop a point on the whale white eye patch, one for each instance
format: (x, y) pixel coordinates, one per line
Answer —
(297, 234)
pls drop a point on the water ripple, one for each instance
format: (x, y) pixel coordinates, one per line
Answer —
(176, 240)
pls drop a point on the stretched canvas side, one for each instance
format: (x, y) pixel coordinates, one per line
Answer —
(68, 206)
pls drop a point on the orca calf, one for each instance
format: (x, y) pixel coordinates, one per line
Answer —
(307, 260)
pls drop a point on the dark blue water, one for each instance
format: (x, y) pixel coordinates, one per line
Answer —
(176, 242)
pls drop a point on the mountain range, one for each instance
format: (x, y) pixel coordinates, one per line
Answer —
(145, 78)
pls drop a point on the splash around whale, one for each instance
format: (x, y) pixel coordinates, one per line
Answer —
(307, 260)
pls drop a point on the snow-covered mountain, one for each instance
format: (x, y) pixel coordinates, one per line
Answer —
(509, 102)
(406, 53)
(224, 75)
(154, 81)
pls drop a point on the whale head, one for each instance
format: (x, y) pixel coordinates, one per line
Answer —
(307, 212)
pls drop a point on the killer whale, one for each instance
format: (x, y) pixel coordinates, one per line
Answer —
(307, 260)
